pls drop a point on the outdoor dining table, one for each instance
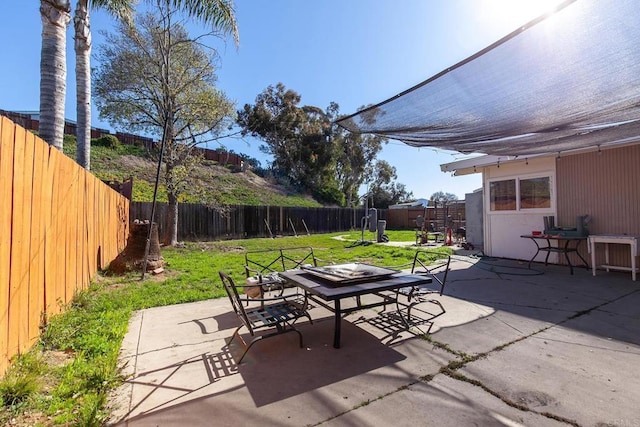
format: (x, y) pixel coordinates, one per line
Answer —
(324, 291)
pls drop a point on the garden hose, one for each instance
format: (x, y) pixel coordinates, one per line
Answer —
(491, 264)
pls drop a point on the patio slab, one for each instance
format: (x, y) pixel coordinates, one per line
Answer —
(590, 379)
(442, 402)
(555, 348)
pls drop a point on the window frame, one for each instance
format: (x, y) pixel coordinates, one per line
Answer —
(519, 209)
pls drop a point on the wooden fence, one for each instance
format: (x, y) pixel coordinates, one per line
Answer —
(58, 225)
(199, 222)
(70, 128)
(438, 218)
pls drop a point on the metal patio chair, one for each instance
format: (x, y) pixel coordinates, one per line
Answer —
(415, 295)
(278, 313)
(263, 266)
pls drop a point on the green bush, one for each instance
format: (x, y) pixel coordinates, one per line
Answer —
(109, 141)
(21, 380)
(16, 389)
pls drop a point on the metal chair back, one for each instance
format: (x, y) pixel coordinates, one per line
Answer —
(438, 271)
(236, 301)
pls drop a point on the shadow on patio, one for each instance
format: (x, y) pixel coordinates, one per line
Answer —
(555, 349)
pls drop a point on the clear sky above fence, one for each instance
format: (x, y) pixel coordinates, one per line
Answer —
(354, 52)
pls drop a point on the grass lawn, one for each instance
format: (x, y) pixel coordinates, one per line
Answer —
(66, 377)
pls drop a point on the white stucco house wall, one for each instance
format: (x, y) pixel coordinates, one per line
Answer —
(503, 227)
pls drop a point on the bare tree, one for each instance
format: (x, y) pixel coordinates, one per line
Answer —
(157, 79)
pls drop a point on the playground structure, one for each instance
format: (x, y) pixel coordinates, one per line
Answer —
(442, 228)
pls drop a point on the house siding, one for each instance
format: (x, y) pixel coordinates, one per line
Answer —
(605, 185)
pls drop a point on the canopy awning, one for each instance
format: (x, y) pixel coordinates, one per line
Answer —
(565, 81)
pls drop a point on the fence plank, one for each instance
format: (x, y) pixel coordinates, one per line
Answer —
(75, 263)
(59, 220)
(56, 220)
(44, 212)
(83, 270)
(18, 302)
(68, 229)
(25, 225)
(92, 257)
(6, 209)
(51, 245)
(34, 169)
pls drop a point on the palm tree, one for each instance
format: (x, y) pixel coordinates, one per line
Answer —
(218, 13)
(56, 15)
(121, 9)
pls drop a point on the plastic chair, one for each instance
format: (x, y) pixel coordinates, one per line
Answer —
(277, 313)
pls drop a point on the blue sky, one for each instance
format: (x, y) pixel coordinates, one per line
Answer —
(353, 52)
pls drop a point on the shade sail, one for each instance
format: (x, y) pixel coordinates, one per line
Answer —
(566, 81)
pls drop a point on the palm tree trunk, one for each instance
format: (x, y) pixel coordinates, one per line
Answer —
(56, 15)
(83, 83)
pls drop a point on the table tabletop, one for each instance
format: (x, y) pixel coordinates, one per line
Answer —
(613, 238)
(553, 237)
(331, 292)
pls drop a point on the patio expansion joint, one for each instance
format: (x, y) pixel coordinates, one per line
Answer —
(597, 307)
(461, 377)
(452, 369)
(425, 378)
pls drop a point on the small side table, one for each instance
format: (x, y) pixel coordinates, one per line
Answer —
(622, 239)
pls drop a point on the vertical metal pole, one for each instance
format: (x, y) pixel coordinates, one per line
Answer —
(153, 205)
(165, 129)
(365, 218)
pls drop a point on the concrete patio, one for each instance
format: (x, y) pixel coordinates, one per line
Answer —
(515, 347)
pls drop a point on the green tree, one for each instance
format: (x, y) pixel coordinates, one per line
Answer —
(356, 154)
(382, 186)
(298, 138)
(158, 80)
(443, 200)
(55, 15)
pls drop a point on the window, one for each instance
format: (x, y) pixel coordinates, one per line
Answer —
(502, 195)
(535, 193)
(520, 194)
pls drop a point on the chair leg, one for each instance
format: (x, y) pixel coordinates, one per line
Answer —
(308, 316)
(399, 310)
(247, 347)
(235, 333)
(407, 320)
(300, 335)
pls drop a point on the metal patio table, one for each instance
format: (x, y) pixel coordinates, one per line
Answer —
(563, 249)
(322, 292)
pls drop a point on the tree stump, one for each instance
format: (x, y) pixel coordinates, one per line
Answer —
(132, 258)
